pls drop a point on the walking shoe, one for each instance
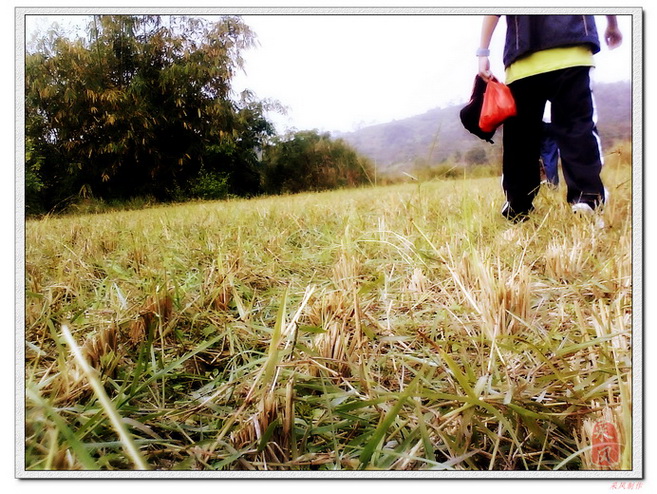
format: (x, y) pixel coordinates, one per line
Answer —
(515, 216)
(582, 207)
(585, 209)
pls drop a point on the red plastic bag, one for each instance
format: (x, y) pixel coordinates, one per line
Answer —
(497, 107)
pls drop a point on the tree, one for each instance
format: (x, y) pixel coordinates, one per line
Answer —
(476, 156)
(143, 106)
(308, 160)
(33, 182)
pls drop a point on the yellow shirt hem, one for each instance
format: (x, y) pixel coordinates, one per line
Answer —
(549, 60)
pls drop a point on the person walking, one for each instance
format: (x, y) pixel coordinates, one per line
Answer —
(549, 151)
(548, 58)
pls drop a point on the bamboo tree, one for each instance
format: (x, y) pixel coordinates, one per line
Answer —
(140, 106)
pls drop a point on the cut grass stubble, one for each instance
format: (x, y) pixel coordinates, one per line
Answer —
(403, 327)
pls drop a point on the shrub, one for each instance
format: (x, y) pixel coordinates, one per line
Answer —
(209, 185)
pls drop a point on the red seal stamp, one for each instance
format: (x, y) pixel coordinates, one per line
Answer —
(605, 450)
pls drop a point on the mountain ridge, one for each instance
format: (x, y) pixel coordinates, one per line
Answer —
(437, 135)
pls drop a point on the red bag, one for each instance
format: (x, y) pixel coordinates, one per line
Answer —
(497, 107)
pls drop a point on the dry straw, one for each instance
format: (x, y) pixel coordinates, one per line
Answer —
(385, 328)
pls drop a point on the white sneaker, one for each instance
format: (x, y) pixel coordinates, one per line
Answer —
(584, 209)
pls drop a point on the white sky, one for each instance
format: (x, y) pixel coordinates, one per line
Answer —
(343, 72)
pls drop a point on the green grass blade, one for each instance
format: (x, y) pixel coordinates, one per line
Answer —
(572, 457)
(380, 432)
(76, 445)
(124, 435)
(272, 358)
(458, 375)
(176, 363)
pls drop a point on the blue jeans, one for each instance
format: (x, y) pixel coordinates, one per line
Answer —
(550, 155)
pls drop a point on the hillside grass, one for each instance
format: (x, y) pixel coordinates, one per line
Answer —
(407, 327)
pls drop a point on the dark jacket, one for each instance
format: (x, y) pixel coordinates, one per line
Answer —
(526, 34)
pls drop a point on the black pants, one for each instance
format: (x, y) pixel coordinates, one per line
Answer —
(574, 129)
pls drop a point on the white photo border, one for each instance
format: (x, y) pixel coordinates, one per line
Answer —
(637, 471)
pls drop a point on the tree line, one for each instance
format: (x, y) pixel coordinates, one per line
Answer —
(143, 106)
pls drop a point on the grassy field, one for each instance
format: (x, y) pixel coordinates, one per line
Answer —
(401, 327)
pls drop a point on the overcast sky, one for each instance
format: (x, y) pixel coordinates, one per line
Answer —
(343, 72)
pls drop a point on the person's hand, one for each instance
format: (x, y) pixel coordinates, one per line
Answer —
(484, 69)
(613, 37)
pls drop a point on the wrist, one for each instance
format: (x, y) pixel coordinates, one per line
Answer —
(483, 52)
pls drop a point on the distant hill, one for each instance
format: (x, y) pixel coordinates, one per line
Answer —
(438, 135)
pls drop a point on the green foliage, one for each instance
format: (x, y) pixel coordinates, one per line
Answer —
(308, 160)
(140, 107)
(144, 107)
(33, 182)
(209, 185)
(476, 156)
(449, 169)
